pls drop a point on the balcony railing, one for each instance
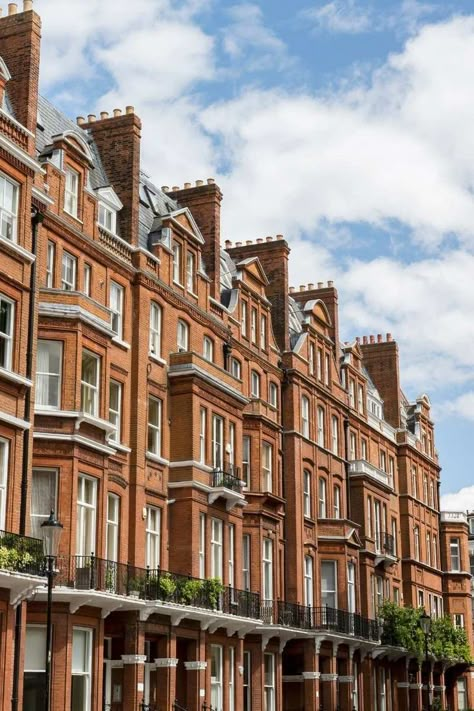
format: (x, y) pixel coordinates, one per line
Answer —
(21, 554)
(92, 573)
(228, 477)
(388, 543)
(359, 467)
(286, 614)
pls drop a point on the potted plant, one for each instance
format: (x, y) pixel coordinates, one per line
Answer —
(191, 591)
(165, 585)
(135, 587)
(110, 582)
(213, 589)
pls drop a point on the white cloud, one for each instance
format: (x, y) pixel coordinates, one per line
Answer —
(250, 42)
(462, 406)
(352, 17)
(462, 500)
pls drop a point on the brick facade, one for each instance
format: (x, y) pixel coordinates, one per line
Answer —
(192, 417)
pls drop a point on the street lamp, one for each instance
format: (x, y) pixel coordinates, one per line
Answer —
(425, 624)
(51, 531)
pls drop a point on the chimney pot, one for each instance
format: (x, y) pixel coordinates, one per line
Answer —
(269, 239)
(238, 244)
(389, 337)
(310, 286)
(357, 339)
(199, 183)
(129, 109)
(117, 112)
(279, 236)
(365, 340)
(228, 244)
(302, 287)
(210, 181)
(80, 120)
(249, 241)
(330, 284)
(372, 339)
(104, 115)
(259, 240)
(176, 187)
(91, 118)
(187, 186)
(292, 289)
(12, 8)
(320, 284)
(27, 5)
(165, 188)
(379, 338)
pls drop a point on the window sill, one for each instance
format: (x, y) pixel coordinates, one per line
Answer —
(119, 447)
(15, 248)
(95, 421)
(55, 412)
(157, 359)
(120, 343)
(177, 283)
(156, 458)
(15, 378)
(74, 217)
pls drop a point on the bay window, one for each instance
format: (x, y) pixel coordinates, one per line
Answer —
(337, 501)
(202, 435)
(86, 515)
(254, 384)
(217, 442)
(246, 460)
(455, 554)
(112, 530)
(267, 466)
(246, 561)
(307, 493)
(183, 336)
(202, 545)
(90, 383)
(208, 349)
(267, 569)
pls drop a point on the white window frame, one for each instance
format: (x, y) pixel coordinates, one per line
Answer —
(305, 416)
(182, 338)
(269, 682)
(217, 441)
(247, 681)
(327, 369)
(322, 497)
(351, 588)
(352, 393)
(455, 555)
(7, 336)
(254, 384)
(246, 459)
(116, 301)
(71, 192)
(68, 264)
(360, 399)
(236, 368)
(50, 264)
(87, 672)
(311, 358)
(190, 271)
(202, 434)
(308, 581)
(335, 434)
(320, 364)
(86, 279)
(9, 214)
(231, 556)
(156, 318)
(112, 530)
(217, 527)
(267, 466)
(337, 501)
(461, 694)
(352, 446)
(92, 389)
(253, 325)
(307, 508)
(231, 678)
(115, 414)
(320, 426)
(208, 349)
(177, 262)
(217, 681)
(48, 375)
(107, 218)
(202, 545)
(36, 518)
(263, 332)
(246, 560)
(86, 517)
(273, 394)
(154, 426)
(416, 542)
(153, 537)
(326, 592)
(244, 318)
(267, 569)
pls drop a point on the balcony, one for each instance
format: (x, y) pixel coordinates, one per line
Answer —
(88, 580)
(226, 483)
(361, 468)
(21, 564)
(385, 549)
(320, 619)
(453, 517)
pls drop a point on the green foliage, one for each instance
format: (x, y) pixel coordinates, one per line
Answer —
(166, 585)
(12, 559)
(401, 628)
(135, 585)
(213, 589)
(190, 591)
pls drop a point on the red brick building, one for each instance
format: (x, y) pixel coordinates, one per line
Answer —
(239, 490)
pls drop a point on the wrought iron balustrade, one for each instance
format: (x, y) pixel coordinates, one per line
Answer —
(388, 543)
(227, 477)
(21, 554)
(286, 614)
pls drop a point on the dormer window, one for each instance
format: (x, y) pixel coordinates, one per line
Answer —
(71, 192)
(107, 218)
(8, 208)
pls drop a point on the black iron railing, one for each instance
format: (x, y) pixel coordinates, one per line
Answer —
(92, 573)
(21, 554)
(147, 707)
(177, 707)
(286, 614)
(388, 543)
(228, 477)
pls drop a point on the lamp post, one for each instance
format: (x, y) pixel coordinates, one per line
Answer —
(51, 531)
(425, 623)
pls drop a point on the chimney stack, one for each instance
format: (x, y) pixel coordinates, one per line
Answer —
(12, 8)
(381, 360)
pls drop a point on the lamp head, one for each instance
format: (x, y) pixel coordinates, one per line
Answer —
(51, 531)
(425, 623)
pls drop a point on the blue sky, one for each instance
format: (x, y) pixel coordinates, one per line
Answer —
(345, 125)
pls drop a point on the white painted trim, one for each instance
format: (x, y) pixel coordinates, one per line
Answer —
(15, 377)
(77, 439)
(191, 369)
(14, 421)
(16, 249)
(41, 196)
(75, 312)
(157, 459)
(21, 155)
(191, 463)
(133, 658)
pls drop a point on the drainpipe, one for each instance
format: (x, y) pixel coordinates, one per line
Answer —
(36, 219)
(346, 467)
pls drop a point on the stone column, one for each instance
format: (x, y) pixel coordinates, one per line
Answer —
(416, 693)
(166, 670)
(442, 689)
(311, 675)
(196, 670)
(403, 692)
(239, 674)
(331, 680)
(134, 665)
(346, 682)
(367, 700)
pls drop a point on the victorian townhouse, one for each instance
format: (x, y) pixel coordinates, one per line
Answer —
(240, 492)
